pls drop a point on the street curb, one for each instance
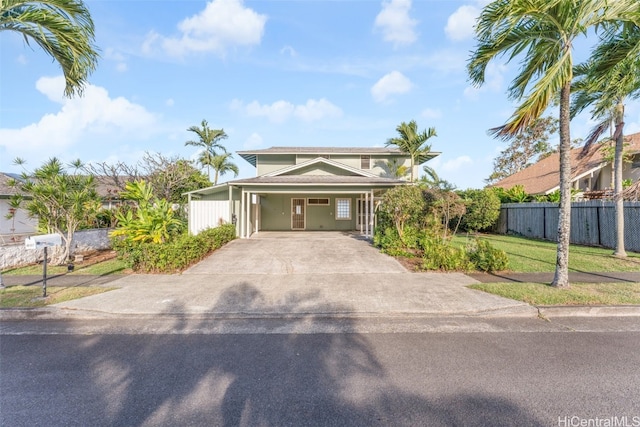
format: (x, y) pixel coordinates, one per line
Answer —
(590, 311)
(522, 311)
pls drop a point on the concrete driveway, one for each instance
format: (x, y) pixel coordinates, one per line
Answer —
(310, 275)
(319, 252)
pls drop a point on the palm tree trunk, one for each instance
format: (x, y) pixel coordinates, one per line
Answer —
(561, 277)
(215, 179)
(617, 165)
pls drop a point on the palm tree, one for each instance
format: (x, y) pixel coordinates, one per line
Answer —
(412, 142)
(221, 164)
(544, 32)
(62, 28)
(209, 141)
(608, 92)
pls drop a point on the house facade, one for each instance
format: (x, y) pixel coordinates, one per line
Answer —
(303, 188)
(591, 170)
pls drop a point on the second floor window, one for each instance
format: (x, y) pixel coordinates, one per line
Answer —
(365, 162)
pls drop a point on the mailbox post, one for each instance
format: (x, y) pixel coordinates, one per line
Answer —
(43, 241)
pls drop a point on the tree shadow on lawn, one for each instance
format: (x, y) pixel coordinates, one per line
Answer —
(267, 379)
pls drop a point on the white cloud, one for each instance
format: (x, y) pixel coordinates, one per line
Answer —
(288, 50)
(222, 24)
(22, 59)
(80, 120)
(281, 111)
(456, 164)
(395, 23)
(169, 102)
(117, 57)
(430, 113)
(390, 84)
(494, 78)
(254, 141)
(460, 25)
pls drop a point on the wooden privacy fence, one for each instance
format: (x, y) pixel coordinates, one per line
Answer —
(592, 222)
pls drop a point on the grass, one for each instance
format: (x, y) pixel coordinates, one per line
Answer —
(537, 256)
(578, 294)
(31, 296)
(111, 266)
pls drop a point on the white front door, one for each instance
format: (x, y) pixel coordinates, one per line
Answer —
(298, 217)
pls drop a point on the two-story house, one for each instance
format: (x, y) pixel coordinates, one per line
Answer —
(304, 188)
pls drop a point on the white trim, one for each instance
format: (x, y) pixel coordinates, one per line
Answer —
(329, 162)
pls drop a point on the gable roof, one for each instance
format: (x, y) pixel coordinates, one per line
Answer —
(321, 161)
(7, 190)
(543, 177)
(250, 156)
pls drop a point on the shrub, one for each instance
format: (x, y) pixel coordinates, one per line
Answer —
(174, 255)
(483, 209)
(439, 254)
(389, 242)
(485, 257)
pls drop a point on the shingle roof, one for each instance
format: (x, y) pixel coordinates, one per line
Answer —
(5, 188)
(544, 175)
(250, 155)
(319, 180)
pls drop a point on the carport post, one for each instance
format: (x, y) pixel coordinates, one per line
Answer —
(248, 214)
(242, 198)
(366, 214)
(372, 212)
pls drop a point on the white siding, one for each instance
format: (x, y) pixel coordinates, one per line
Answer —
(205, 214)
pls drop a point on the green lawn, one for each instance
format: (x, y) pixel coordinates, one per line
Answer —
(536, 256)
(111, 266)
(578, 294)
(31, 296)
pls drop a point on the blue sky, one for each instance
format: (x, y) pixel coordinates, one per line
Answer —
(271, 73)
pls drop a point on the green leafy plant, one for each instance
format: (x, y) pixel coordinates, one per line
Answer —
(175, 255)
(483, 209)
(485, 257)
(153, 220)
(439, 254)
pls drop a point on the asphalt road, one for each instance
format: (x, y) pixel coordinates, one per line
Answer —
(538, 373)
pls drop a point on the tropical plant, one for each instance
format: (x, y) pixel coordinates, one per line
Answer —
(392, 168)
(153, 220)
(607, 89)
(433, 180)
(209, 142)
(62, 28)
(413, 142)
(61, 201)
(544, 31)
(221, 164)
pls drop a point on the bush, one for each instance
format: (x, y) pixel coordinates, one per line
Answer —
(389, 242)
(485, 257)
(174, 255)
(439, 254)
(483, 209)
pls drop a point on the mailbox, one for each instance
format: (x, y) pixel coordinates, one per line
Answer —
(43, 241)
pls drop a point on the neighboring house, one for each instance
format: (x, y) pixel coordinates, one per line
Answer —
(302, 188)
(590, 171)
(20, 224)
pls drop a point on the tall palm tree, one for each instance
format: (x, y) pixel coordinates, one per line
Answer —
(607, 92)
(209, 141)
(62, 28)
(544, 32)
(413, 142)
(222, 164)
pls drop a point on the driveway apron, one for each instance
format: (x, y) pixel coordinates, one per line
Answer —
(299, 274)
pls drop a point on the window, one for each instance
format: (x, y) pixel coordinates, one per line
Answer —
(365, 162)
(343, 208)
(318, 202)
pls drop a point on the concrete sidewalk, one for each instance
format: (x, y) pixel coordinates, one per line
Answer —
(281, 275)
